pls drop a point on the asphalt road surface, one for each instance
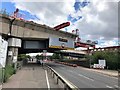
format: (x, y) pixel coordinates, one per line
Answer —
(85, 79)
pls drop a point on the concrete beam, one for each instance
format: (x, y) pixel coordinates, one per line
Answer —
(24, 29)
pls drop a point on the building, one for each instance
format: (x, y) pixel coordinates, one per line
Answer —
(110, 49)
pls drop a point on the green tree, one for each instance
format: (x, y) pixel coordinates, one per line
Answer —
(112, 58)
(56, 56)
(38, 57)
(23, 57)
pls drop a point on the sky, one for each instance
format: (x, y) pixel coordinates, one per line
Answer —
(97, 20)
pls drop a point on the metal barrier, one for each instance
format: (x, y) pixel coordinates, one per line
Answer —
(119, 79)
(19, 65)
(67, 85)
(119, 73)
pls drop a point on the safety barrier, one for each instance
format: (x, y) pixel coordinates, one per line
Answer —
(67, 84)
(19, 65)
(119, 73)
(119, 79)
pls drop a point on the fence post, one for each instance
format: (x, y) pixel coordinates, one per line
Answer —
(57, 79)
(65, 86)
(118, 77)
(53, 74)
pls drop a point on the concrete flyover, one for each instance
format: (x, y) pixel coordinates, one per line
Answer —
(29, 31)
(73, 53)
(27, 36)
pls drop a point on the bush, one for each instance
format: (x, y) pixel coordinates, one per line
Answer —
(1, 75)
(23, 57)
(9, 71)
(112, 59)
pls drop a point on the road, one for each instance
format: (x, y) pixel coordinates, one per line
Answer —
(83, 78)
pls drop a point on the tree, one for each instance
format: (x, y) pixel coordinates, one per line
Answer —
(23, 57)
(38, 57)
(112, 58)
(56, 56)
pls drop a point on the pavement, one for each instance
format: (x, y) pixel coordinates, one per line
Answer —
(31, 76)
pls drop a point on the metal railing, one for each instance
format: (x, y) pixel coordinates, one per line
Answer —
(119, 79)
(119, 73)
(67, 84)
(19, 65)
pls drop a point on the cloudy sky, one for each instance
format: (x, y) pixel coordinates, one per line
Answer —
(95, 19)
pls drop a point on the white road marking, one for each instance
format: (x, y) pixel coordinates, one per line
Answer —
(108, 86)
(48, 84)
(85, 77)
(109, 76)
(70, 71)
(116, 86)
(62, 68)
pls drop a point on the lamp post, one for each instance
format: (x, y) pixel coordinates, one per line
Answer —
(89, 54)
(10, 25)
(90, 57)
(12, 19)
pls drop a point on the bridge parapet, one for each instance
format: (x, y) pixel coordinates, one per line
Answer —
(33, 27)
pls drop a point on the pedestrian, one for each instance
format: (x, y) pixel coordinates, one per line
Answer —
(32, 59)
(41, 63)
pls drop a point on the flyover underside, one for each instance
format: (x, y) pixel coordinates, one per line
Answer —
(36, 46)
(51, 50)
(72, 54)
(24, 51)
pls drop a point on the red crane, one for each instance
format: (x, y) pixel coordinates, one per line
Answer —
(58, 27)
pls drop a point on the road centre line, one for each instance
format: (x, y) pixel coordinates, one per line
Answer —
(85, 77)
(82, 75)
(116, 86)
(108, 86)
(70, 71)
(48, 84)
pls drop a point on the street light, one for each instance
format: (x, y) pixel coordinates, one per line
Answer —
(91, 52)
(12, 19)
(10, 25)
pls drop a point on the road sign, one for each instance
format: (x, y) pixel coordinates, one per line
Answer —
(3, 52)
(102, 62)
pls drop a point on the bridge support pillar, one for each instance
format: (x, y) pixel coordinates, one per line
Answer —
(13, 45)
(12, 55)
